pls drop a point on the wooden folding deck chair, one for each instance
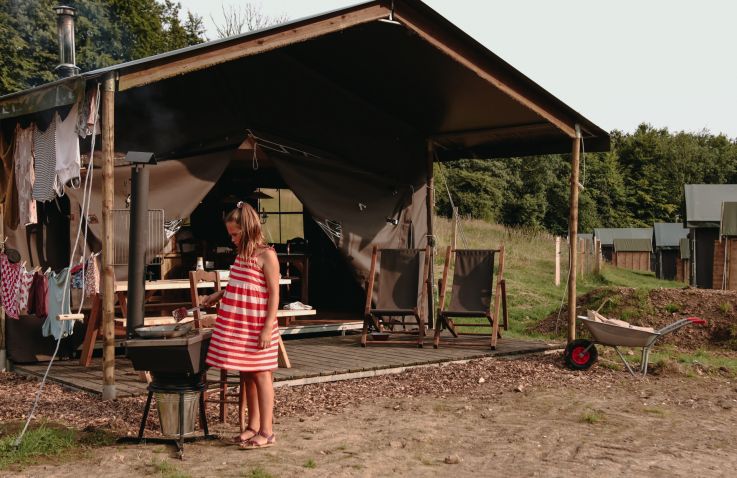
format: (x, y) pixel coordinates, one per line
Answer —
(473, 279)
(399, 276)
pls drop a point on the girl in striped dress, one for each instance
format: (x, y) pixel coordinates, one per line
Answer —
(246, 333)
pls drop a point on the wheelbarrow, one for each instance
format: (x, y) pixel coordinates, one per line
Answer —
(581, 354)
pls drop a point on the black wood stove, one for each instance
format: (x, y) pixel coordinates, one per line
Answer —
(177, 367)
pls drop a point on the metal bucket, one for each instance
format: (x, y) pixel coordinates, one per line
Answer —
(168, 406)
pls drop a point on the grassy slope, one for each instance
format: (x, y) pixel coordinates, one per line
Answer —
(529, 269)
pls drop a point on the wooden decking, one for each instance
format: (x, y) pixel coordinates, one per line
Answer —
(313, 360)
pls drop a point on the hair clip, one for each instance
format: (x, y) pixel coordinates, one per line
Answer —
(240, 204)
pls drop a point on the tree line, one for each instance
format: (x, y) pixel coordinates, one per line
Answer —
(639, 182)
(107, 32)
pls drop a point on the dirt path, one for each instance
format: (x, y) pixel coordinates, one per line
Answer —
(528, 417)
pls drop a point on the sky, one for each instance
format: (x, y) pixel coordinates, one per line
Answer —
(669, 63)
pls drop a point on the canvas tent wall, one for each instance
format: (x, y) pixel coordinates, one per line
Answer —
(632, 254)
(667, 240)
(606, 236)
(703, 218)
(381, 100)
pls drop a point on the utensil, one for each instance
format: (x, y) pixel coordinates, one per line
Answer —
(182, 312)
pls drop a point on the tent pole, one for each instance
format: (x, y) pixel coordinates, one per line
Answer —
(430, 198)
(573, 236)
(108, 278)
(3, 347)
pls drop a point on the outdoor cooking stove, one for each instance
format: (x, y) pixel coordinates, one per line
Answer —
(177, 367)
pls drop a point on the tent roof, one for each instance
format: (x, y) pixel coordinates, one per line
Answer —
(632, 245)
(669, 234)
(310, 78)
(728, 224)
(704, 202)
(607, 235)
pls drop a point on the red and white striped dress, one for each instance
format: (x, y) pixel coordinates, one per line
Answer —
(241, 316)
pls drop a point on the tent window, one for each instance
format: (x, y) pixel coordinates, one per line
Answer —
(281, 215)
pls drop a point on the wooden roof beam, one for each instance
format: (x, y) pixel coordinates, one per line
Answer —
(248, 45)
(465, 56)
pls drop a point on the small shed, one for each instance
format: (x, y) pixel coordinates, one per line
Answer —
(683, 260)
(703, 219)
(606, 236)
(632, 253)
(725, 250)
(667, 244)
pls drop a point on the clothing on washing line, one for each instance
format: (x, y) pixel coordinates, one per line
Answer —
(92, 278)
(10, 277)
(24, 289)
(38, 295)
(24, 175)
(67, 151)
(44, 144)
(77, 277)
(58, 304)
(87, 115)
(8, 191)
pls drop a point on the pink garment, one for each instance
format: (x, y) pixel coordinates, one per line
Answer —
(91, 278)
(24, 175)
(67, 150)
(10, 276)
(24, 286)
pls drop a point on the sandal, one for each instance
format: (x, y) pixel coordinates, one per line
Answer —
(251, 444)
(237, 440)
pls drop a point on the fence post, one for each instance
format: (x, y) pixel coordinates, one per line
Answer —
(557, 261)
(597, 256)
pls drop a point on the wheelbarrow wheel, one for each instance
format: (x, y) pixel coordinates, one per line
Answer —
(577, 357)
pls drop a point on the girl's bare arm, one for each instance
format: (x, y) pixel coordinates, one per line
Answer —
(271, 273)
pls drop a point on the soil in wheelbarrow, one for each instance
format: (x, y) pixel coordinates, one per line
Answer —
(657, 308)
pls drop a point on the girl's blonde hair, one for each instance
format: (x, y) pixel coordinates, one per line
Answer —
(246, 217)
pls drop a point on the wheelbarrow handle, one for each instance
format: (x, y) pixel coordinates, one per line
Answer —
(696, 320)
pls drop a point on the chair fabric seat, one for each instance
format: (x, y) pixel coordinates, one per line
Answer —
(393, 312)
(465, 313)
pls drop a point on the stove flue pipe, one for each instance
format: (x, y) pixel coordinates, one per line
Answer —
(65, 29)
(137, 239)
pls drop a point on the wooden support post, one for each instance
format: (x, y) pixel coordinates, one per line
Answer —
(573, 236)
(557, 261)
(497, 298)
(108, 279)
(3, 351)
(430, 198)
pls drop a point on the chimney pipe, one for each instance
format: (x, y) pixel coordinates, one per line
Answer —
(65, 28)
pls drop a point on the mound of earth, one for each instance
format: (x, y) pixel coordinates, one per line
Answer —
(657, 308)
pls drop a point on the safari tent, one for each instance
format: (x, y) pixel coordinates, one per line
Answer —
(346, 111)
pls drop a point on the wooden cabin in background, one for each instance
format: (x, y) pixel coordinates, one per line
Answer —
(606, 236)
(667, 237)
(632, 254)
(703, 219)
(725, 249)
